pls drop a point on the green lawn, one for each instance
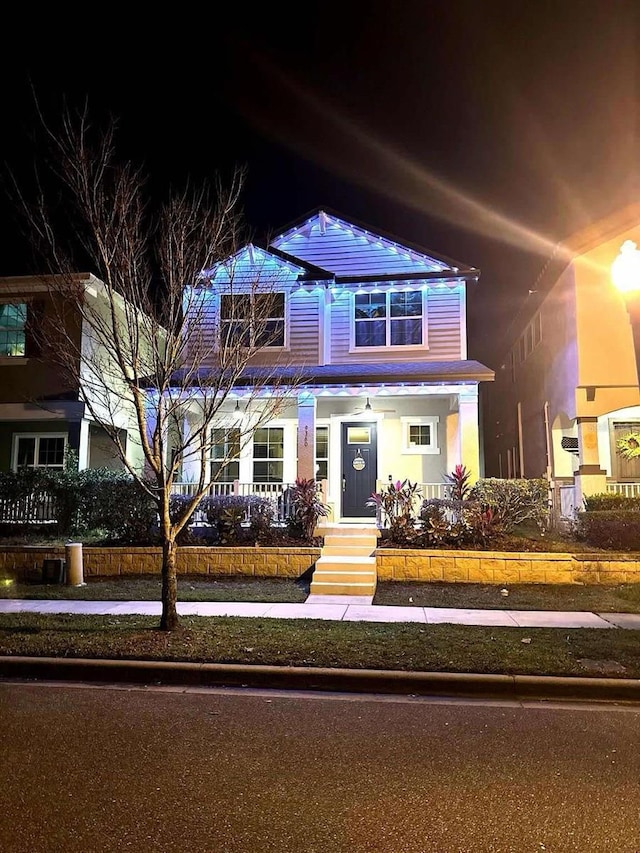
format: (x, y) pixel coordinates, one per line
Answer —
(410, 647)
(611, 599)
(148, 588)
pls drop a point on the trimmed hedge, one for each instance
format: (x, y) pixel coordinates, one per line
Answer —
(617, 530)
(610, 501)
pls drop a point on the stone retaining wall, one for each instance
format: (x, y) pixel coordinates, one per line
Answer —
(273, 562)
(499, 567)
(506, 567)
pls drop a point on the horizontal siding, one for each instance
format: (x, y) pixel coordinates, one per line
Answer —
(443, 332)
(345, 253)
(304, 332)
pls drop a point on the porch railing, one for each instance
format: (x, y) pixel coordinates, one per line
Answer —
(629, 490)
(36, 508)
(276, 493)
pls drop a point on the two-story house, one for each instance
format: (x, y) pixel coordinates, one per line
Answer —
(43, 408)
(566, 396)
(374, 333)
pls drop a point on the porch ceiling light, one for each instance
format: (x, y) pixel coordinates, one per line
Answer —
(625, 274)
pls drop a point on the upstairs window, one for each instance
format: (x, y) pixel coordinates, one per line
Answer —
(13, 320)
(389, 319)
(253, 319)
(225, 453)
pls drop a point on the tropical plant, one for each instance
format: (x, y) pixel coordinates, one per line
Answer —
(306, 508)
(459, 481)
(395, 506)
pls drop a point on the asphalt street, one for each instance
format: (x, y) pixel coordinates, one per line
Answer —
(88, 768)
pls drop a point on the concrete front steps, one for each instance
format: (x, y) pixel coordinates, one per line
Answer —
(346, 565)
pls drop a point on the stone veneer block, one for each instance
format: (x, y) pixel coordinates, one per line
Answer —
(407, 572)
(559, 576)
(429, 572)
(454, 573)
(483, 574)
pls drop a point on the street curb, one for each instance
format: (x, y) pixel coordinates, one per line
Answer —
(441, 684)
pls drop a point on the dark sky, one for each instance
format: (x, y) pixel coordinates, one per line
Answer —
(485, 131)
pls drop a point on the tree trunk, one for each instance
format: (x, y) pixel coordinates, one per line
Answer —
(169, 621)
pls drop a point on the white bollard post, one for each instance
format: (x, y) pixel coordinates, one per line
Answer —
(73, 560)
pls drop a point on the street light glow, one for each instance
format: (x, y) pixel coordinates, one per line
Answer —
(625, 270)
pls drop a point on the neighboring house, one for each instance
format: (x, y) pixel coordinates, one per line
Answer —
(43, 412)
(567, 392)
(374, 332)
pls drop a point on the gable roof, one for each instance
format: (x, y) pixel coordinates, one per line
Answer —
(250, 261)
(352, 250)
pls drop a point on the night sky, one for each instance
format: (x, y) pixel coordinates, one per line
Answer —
(486, 131)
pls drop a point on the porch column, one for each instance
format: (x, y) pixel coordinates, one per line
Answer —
(191, 461)
(83, 445)
(590, 478)
(78, 439)
(306, 436)
(469, 431)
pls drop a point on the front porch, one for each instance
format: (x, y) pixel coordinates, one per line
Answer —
(353, 440)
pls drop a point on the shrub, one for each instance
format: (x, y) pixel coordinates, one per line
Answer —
(611, 501)
(87, 500)
(396, 507)
(238, 518)
(610, 529)
(513, 501)
(455, 523)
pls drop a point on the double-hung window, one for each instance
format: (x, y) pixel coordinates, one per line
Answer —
(13, 319)
(39, 451)
(225, 453)
(268, 453)
(389, 319)
(253, 319)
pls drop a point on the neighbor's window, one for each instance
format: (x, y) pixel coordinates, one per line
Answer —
(253, 319)
(39, 451)
(225, 452)
(268, 453)
(420, 435)
(13, 319)
(322, 453)
(388, 319)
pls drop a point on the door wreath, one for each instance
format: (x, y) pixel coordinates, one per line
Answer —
(629, 445)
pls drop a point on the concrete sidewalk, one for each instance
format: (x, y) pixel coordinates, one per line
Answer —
(336, 608)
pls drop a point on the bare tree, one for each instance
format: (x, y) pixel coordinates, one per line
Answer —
(161, 345)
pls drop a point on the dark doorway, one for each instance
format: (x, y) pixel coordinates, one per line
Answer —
(359, 468)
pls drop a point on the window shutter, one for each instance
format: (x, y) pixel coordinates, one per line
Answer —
(33, 328)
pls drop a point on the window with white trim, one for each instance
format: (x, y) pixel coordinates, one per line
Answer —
(253, 319)
(13, 320)
(225, 453)
(268, 454)
(322, 452)
(388, 319)
(39, 451)
(420, 435)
